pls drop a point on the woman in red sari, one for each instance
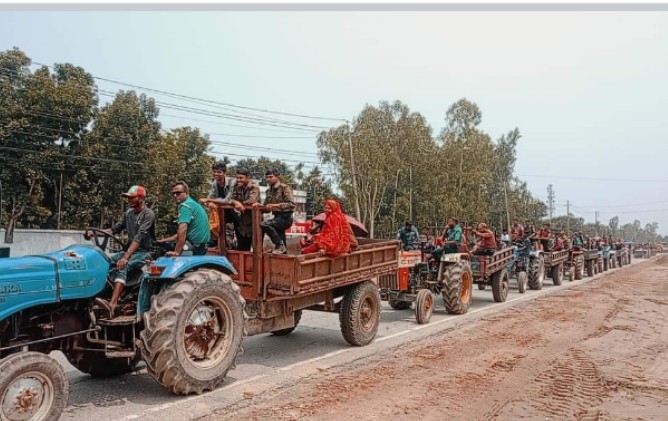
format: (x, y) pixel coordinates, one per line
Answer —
(334, 238)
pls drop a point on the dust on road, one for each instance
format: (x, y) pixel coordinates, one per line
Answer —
(598, 351)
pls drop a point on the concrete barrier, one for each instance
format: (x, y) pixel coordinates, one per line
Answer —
(34, 241)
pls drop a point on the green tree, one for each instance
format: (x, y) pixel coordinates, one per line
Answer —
(43, 115)
(383, 140)
(122, 133)
(258, 167)
(179, 154)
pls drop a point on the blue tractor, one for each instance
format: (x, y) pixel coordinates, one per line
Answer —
(189, 338)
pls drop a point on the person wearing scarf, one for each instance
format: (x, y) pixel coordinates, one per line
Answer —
(334, 238)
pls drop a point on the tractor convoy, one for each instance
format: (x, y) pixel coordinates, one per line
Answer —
(202, 307)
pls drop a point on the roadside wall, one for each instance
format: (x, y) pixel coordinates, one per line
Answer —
(33, 241)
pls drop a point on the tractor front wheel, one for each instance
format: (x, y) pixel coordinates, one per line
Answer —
(33, 386)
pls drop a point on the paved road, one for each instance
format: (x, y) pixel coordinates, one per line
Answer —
(269, 361)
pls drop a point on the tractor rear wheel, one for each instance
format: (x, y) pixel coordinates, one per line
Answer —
(194, 332)
(536, 273)
(424, 306)
(456, 287)
(578, 266)
(33, 386)
(590, 268)
(500, 285)
(557, 273)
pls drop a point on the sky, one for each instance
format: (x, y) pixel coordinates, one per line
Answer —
(585, 89)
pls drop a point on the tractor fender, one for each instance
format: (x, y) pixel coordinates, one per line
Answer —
(174, 267)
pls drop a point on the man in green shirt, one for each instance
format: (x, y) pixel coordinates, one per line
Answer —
(452, 239)
(193, 232)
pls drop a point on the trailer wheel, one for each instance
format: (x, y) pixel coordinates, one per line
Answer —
(522, 279)
(536, 273)
(399, 305)
(456, 287)
(33, 386)
(424, 306)
(360, 313)
(590, 268)
(557, 273)
(282, 332)
(606, 264)
(500, 285)
(482, 287)
(194, 332)
(579, 268)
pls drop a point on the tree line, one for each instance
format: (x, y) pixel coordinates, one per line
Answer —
(65, 159)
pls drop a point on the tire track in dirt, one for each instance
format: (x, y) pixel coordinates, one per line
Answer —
(564, 357)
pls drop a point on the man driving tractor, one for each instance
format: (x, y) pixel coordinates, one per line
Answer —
(139, 223)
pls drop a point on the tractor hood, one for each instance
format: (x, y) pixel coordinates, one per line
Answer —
(75, 272)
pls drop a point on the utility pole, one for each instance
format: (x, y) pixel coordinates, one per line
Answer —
(60, 197)
(353, 172)
(550, 200)
(410, 193)
(568, 217)
(505, 195)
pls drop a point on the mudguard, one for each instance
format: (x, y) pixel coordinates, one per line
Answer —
(174, 267)
(454, 257)
(75, 272)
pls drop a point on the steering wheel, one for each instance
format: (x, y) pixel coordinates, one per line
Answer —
(103, 240)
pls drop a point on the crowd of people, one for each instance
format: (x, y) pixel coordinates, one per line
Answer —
(461, 238)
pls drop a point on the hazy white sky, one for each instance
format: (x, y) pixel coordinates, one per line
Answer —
(586, 89)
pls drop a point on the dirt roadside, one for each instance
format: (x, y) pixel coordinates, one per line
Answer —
(597, 351)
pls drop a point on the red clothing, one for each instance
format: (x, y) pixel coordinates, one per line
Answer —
(487, 240)
(334, 238)
(544, 234)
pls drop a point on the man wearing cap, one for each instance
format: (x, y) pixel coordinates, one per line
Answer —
(193, 224)
(245, 192)
(139, 223)
(279, 201)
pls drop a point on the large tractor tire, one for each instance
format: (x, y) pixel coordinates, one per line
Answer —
(96, 364)
(591, 268)
(194, 332)
(400, 305)
(33, 387)
(578, 267)
(522, 280)
(557, 273)
(500, 285)
(456, 287)
(424, 306)
(536, 273)
(282, 332)
(360, 313)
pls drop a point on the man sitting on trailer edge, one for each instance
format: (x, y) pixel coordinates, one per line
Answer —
(486, 244)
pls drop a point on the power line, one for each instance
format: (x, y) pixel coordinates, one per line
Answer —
(593, 178)
(167, 93)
